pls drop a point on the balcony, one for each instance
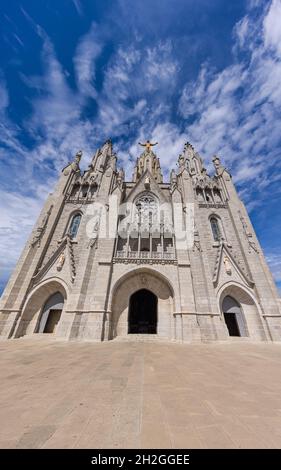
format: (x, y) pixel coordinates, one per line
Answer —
(213, 205)
(143, 257)
(80, 200)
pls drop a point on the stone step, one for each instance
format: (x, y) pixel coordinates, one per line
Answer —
(40, 336)
(141, 338)
(234, 339)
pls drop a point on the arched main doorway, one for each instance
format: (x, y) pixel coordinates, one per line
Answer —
(233, 317)
(51, 313)
(142, 318)
(126, 298)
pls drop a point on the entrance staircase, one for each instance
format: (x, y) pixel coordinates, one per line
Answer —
(141, 338)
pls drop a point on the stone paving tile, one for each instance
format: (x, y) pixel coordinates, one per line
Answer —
(35, 437)
(215, 437)
(139, 395)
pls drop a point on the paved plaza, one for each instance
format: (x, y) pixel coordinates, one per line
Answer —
(114, 394)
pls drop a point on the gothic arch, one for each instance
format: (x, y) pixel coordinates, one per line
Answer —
(50, 313)
(35, 302)
(249, 307)
(143, 312)
(220, 223)
(146, 193)
(142, 278)
(137, 271)
(70, 220)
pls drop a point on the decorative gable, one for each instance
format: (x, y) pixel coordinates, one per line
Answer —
(229, 267)
(147, 183)
(62, 261)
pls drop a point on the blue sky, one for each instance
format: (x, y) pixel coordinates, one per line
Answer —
(76, 72)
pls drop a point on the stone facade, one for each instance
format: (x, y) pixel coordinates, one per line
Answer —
(86, 257)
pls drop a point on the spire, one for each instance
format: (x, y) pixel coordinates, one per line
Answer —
(217, 164)
(102, 155)
(148, 161)
(190, 159)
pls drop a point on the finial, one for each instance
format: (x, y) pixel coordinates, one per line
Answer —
(188, 145)
(216, 161)
(173, 177)
(78, 156)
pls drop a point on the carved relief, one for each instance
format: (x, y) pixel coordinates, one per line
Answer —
(227, 265)
(173, 178)
(61, 261)
(41, 229)
(196, 241)
(248, 234)
(95, 234)
(143, 279)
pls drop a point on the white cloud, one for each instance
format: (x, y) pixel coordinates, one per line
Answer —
(85, 57)
(272, 27)
(136, 83)
(237, 111)
(18, 214)
(242, 30)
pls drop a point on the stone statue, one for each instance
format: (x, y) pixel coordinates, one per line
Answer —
(148, 145)
(227, 265)
(181, 162)
(147, 182)
(216, 161)
(61, 261)
(78, 156)
(196, 241)
(75, 163)
(120, 176)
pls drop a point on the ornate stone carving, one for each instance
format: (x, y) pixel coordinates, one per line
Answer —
(143, 279)
(147, 182)
(181, 162)
(95, 234)
(227, 265)
(61, 261)
(75, 163)
(41, 229)
(120, 177)
(248, 234)
(78, 156)
(196, 241)
(173, 178)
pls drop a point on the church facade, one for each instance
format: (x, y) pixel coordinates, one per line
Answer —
(115, 260)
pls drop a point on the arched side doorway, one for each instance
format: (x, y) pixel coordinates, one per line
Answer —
(240, 311)
(233, 317)
(50, 295)
(142, 318)
(51, 313)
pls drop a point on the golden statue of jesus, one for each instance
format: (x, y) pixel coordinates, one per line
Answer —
(148, 145)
